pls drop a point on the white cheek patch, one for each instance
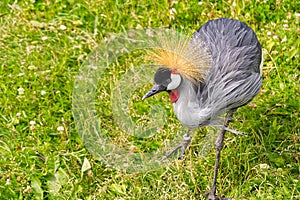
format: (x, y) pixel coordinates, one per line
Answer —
(175, 82)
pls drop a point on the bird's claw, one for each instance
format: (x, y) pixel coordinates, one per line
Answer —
(211, 196)
(183, 146)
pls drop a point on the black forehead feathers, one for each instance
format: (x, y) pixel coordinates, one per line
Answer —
(162, 76)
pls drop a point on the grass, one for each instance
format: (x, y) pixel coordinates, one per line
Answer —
(42, 47)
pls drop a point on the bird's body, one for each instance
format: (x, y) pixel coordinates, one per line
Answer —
(233, 78)
(228, 78)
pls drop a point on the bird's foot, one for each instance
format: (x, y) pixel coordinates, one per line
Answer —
(235, 132)
(211, 196)
(183, 146)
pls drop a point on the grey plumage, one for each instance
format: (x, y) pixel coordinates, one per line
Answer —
(234, 56)
(234, 76)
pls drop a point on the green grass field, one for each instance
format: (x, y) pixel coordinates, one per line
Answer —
(43, 44)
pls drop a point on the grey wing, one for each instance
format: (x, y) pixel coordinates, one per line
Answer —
(231, 41)
(234, 78)
(230, 94)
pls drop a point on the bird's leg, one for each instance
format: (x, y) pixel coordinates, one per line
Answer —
(183, 145)
(219, 146)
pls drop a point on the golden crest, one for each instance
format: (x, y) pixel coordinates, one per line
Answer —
(188, 56)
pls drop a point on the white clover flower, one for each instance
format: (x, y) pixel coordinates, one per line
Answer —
(21, 91)
(31, 67)
(32, 123)
(18, 114)
(62, 27)
(60, 128)
(44, 38)
(284, 39)
(264, 166)
(43, 92)
(8, 182)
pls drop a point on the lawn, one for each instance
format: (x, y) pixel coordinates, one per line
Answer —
(47, 153)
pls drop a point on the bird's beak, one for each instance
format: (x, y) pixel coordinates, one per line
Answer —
(154, 90)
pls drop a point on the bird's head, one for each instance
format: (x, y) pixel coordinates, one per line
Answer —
(166, 80)
(180, 58)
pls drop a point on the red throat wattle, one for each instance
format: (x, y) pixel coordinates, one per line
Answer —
(174, 95)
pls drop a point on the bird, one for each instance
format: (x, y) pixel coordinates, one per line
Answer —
(208, 76)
